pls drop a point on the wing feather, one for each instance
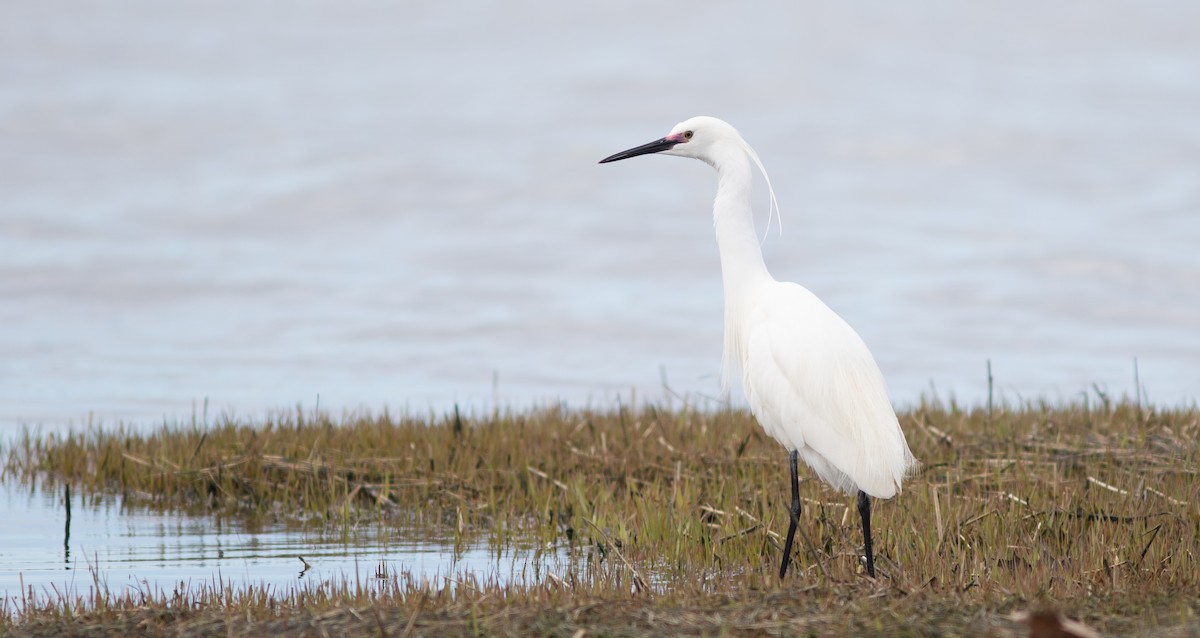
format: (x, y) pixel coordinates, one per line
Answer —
(814, 386)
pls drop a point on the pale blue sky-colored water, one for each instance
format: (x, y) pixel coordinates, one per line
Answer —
(120, 550)
(399, 205)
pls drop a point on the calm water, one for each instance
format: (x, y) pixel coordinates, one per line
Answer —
(398, 205)
(131, 549)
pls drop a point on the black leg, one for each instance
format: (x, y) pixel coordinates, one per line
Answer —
(795, 515)
(864, 510)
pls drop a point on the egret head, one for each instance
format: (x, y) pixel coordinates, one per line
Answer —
(705, 138)
(697, 137)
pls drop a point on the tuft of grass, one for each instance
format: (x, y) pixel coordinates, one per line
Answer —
(675, 516)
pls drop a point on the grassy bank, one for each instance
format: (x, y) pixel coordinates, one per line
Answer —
(678, 512)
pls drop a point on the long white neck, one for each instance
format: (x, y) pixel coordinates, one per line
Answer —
(733, 218)
(742, 267)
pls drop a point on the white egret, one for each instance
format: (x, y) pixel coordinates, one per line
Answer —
(809, 379)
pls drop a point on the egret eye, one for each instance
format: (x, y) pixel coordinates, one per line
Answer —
(687, 135)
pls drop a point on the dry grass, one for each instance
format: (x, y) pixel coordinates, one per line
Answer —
(1090, 510)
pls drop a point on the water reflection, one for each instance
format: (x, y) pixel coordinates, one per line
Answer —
(67, 526)
(105, 543)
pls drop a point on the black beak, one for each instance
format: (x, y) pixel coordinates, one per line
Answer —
(657, 146)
